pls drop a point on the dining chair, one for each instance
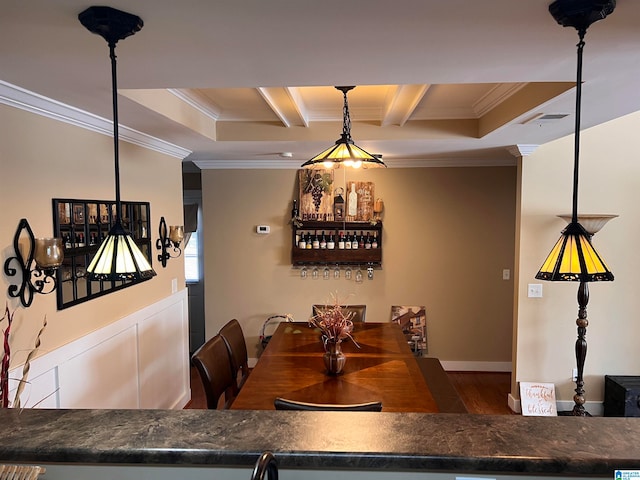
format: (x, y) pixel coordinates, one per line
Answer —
(285, 404)
(213, 362)
(233, 337)
(359, 311)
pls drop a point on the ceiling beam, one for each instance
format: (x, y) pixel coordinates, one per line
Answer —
(287, 104)
(403, 103)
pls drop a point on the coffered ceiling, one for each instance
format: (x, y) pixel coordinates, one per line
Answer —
(250, 84)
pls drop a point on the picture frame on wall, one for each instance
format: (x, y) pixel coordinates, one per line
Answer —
(316, 194)
(413, 321)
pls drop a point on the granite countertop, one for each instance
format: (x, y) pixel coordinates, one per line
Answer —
(360, 441)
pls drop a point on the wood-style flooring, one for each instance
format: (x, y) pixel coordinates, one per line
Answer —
(481, 392)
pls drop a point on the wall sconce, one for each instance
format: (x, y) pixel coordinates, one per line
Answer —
(173, 240)
(46, 253)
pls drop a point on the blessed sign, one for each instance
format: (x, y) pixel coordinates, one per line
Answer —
(538, 399)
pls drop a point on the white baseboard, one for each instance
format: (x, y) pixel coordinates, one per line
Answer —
(455, 366)
(596, 409)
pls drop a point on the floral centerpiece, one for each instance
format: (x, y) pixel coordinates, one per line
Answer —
(335, 326)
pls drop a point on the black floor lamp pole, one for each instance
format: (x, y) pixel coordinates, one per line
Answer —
(581, 349)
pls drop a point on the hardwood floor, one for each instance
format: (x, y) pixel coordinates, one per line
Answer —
(481, 392)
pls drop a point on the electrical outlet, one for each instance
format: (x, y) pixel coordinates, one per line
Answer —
(506, 274)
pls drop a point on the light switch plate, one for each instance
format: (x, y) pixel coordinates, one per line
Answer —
(534, 290)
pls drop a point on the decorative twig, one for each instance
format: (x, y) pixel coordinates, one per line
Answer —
(6, 355)
(27, 365)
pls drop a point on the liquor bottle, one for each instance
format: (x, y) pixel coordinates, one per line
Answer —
(316, 242)
(302, 242)
(309, 241)
(374, 242)
(347, 242)
(354, 241)
(361, 240)
(323, 241)
(331, 243)
(367, 241)
(341, 241)
(81, 242)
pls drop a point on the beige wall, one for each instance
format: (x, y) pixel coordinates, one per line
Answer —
(448, 234)
(41, 159)
(609, 183)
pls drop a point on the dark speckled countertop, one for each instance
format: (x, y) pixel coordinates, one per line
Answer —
(506, 444)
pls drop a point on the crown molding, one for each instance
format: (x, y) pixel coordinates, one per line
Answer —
(522, 150)
(197, 100)
(495, 97)
(23, 99)
(391, 163)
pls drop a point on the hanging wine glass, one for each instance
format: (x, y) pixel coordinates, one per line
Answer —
(326, 273)
(359, 275)
(315, 273)
(370, 272)
(303, 272)
(336, 272)
(347, 273)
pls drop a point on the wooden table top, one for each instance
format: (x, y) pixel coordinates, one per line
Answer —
(382, 369)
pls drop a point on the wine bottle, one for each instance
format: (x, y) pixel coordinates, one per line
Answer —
(353, 201)
(331, 243)
(323, 241)
(347, 242)
(316, 241)
(354, 241)
(341, 241)
(367, 241)
(361, 240)
(374, 242)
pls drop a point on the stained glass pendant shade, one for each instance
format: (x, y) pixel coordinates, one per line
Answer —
(345, 151)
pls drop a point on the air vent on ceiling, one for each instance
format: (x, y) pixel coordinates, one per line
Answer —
(545, 118)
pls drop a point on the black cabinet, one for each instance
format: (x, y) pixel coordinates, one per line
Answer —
(621, 396)
(82, 225)
(368, 237)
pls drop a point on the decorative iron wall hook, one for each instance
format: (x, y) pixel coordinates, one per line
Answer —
(43, 257)
(172, 240)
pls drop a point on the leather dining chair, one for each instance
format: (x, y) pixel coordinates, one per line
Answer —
(285, 404)
(233, 337)
(213, 362)
(359, 311)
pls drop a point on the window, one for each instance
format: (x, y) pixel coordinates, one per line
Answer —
(191, 259)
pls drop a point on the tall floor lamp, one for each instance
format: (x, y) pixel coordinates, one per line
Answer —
(573, 258)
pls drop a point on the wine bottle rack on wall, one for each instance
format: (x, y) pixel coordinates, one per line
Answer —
(336, 256)
(82, 225)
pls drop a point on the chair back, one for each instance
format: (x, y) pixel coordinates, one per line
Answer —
(359, 311)
(285, 404)
(234, 339)
(213, 362)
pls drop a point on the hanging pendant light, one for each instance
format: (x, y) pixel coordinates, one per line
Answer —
(344, 151)
(118, 257)
(573, 258)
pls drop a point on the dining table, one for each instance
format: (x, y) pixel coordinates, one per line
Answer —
(380, 366)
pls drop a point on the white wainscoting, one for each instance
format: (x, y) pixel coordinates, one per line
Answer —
(140, 361)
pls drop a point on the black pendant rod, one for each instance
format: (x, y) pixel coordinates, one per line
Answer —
(574, 214)
(116, 148)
